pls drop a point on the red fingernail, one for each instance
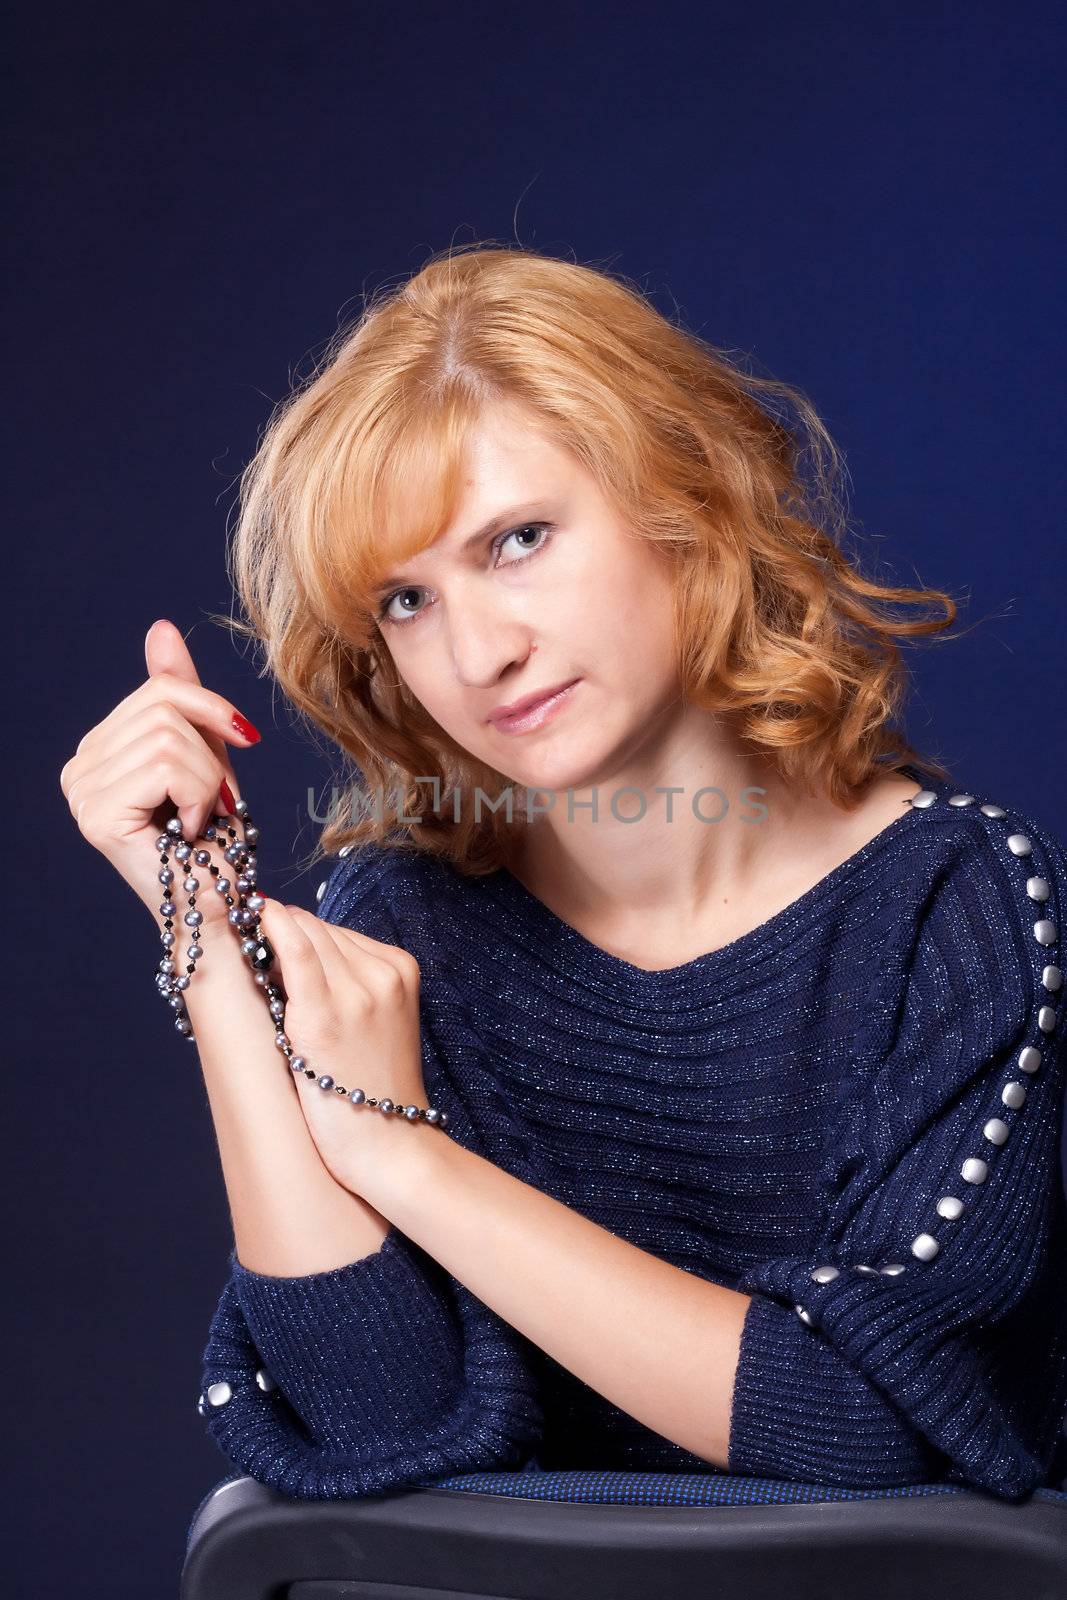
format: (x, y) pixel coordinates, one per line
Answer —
(246, 728)
(226, 796)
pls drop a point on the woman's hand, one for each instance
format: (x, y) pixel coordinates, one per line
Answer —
(352, 1012)
(167, 741)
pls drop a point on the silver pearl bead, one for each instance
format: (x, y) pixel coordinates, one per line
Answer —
(1013, 1094)
(1037, 888)
(996, 1131)
(174, 826)
(193, 919)
(297, 1063)
(222, 885)
(1029, 1059)
(357, 1096)
(325, 1082)
(949, 1207)
(191, 885)
(925, 1247)
(219, 1393)
(1045, 931)
(411, 1113)
(974, 1170)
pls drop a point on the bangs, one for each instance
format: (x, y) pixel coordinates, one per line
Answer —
(396, 482)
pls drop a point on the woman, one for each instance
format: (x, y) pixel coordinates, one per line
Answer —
(742, 1017)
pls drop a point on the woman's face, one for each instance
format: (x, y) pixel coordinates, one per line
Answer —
(555, 592)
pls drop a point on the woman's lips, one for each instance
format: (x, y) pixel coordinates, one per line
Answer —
(537, 715)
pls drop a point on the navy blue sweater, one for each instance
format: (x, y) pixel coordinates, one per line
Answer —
(852, 1112)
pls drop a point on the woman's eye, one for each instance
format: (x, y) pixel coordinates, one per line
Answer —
(544, 529)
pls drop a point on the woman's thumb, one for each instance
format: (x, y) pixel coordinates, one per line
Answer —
(166, 651)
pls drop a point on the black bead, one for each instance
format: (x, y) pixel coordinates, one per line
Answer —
(262, 956)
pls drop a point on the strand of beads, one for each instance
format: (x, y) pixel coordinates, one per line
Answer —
(245, 904)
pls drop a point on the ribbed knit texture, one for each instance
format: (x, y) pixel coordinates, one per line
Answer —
(804, 1096)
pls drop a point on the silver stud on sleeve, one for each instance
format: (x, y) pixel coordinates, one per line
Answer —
(996, 1131)
(1013, 1094)
(1029, 1059)
(894, 1269)
(1045, 931)
(1046, 1018)
(974, 1171)
(948, 1206)
(993, 811)
(961, 800)
(1052, 978)
(825, 1274)
(265, 1381)
(924, 798)
(219, 1393)
(321, 890)
(1019, 844)
(925, 1247)
(1038, 888)
(804, 1316)
(344, 850)
(201, 1406)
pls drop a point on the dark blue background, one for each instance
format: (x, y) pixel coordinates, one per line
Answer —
(867, 199)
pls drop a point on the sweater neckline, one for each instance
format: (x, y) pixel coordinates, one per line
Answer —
(764, 939)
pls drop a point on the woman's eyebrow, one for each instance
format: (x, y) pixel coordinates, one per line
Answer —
(496, 524)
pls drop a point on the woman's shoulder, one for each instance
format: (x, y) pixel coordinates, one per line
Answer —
(991, 905)
(382, 888)
(972, 831)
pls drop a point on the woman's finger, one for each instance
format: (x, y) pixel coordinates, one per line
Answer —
(147, 741)
(302, 970)
(377, 966)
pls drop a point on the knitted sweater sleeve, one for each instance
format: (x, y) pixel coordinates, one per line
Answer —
(380, 1374)
(901, 1348)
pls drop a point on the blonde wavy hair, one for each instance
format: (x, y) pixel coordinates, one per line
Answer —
(777, 631)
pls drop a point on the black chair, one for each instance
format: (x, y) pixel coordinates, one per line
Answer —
(540, 1535)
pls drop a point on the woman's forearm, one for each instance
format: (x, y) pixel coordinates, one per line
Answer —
(290, 1216)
